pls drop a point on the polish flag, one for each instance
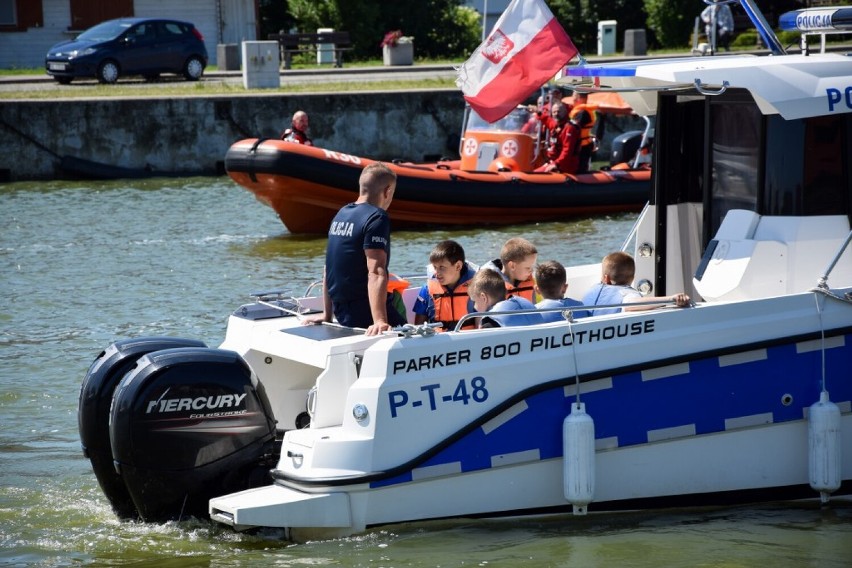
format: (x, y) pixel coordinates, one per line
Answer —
(526, 48)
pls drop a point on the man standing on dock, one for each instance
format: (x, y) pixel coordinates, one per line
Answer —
(718, 25)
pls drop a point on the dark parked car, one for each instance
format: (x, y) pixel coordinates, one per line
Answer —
(130, 46)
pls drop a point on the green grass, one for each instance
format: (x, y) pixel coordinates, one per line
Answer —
(13, 72)
(301, 61)
(309, 61)
(179, 88)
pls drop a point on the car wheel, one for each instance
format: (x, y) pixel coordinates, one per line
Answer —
(151, 77)
(193, 68)
(108, 72)
(64, 80)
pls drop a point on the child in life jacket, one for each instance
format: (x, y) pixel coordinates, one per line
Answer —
(488, 292)
(444, 297)
(551, 284)
(515, 266)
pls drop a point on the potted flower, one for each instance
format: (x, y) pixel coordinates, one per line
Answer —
(397, 49)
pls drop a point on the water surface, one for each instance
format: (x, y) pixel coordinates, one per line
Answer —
(84, 264)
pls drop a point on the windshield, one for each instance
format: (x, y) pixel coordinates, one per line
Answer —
(512, 122)
(105, 31)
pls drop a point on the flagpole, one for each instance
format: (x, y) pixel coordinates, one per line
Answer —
(484, 18)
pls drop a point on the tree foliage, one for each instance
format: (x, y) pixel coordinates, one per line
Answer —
(274, 17)
(672, 21)
(446, 29)
(580, 19)
(440, 28)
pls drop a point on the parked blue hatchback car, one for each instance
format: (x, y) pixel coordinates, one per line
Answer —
(130, 46)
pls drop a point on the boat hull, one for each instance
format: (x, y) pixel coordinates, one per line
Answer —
(684, 416)
(631, 479)
(306, 186)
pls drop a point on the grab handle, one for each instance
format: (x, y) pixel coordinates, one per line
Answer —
(706, 91)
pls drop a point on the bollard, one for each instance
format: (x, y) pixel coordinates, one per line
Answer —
(634, 42)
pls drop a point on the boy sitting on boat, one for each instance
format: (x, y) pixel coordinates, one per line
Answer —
(488, 292)
(444, 297)
(617, 272)
(515, 266)
(551, 283)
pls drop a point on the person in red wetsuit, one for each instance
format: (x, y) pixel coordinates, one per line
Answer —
(540, 111)
(563, 155)
(298, 131)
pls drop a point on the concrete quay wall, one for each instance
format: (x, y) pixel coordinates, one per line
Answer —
(190, 135)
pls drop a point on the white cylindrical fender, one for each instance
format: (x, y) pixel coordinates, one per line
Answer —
(578, 444)
(824, 446)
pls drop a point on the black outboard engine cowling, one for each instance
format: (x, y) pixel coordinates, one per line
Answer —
(93, 410)
(188, 425)
(625, 146)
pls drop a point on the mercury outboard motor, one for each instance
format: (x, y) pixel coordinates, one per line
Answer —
(189, 424)
(96, 393)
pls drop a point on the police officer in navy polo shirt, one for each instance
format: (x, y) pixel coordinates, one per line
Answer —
(356, 259)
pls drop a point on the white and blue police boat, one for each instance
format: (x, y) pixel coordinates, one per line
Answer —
(746, 396)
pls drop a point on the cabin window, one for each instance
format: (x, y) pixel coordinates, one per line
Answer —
(722, 152)
(807, 166)
(710, 152)
(784, 151)
(679, 143)
(823, 175)
(734, 165)
(512, 122)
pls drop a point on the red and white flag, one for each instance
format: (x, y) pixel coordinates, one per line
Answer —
(526, 48)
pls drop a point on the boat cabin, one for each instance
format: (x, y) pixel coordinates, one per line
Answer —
(718, 153)
(517, 141)
(510, 144)
(770, 136)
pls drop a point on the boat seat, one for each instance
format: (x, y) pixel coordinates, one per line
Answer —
(409, 296)
(488, 152)
(754, 256)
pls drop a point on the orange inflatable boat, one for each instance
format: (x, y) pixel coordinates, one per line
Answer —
(492, 184)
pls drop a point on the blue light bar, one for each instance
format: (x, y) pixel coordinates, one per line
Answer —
(595, 71)
(817, 20)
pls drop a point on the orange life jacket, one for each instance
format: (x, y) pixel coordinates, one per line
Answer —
(586, 136)
(396, 284)
(449, 306)
(525, 289)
